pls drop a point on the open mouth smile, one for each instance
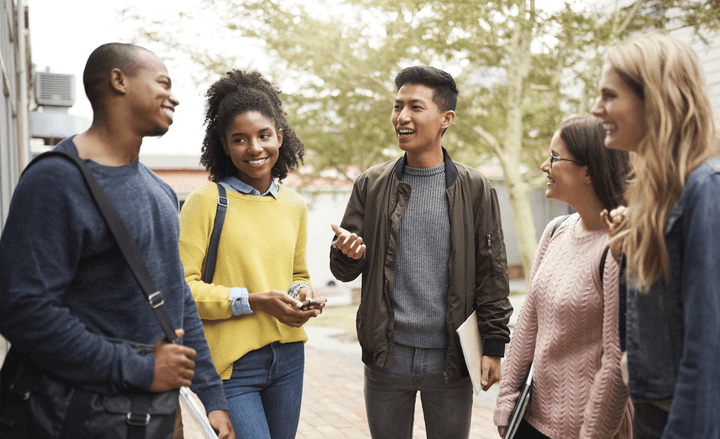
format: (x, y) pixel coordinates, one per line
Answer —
(609, 127)
(404, 132)
(256, 162)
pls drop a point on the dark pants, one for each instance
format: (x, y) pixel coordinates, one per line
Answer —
(649, 420)
(390, 395)
(527, 431)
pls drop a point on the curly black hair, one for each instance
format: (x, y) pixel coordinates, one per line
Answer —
(238, 93)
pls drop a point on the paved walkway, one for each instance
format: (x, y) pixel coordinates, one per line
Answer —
(333, 403)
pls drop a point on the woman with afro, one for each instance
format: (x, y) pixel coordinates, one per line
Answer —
(251, 310)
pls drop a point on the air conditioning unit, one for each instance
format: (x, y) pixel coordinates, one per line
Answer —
(54, 89)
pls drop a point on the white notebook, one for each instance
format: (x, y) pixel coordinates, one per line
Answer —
(472, 346)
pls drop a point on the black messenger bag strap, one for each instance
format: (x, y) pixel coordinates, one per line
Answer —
(222, 205)
(127, 245)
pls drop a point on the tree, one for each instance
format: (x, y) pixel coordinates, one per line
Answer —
(520, 70)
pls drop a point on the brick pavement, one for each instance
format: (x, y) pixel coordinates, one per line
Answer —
(334, 407)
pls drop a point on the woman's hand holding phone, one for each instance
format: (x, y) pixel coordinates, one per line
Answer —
(281, 306)
(286, 309)
(314, 303)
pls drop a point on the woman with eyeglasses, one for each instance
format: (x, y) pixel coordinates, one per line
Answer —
(654, 101)
(568, 326)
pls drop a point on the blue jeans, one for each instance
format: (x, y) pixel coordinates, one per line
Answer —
(390, 395)
(265, 391)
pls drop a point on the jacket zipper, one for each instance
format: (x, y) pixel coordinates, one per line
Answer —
(492, 265)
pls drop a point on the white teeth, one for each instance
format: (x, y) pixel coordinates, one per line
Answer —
(256, 162)
(406, 131)
(169, 112)
(609, 126)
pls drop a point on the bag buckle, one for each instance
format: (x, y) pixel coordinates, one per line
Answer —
(138, 419)
(156, 299)
(21, 394)
(222, 201)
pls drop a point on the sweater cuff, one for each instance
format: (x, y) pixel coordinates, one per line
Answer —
(493, 348)
(213, 397)
(137, 376)
(501, 417)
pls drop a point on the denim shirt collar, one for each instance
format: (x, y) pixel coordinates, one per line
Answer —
(710, 166)
(237, 185)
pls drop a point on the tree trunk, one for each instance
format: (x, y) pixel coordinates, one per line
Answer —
(518, 189)
(519, 194)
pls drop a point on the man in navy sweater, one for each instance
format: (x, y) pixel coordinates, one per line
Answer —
(65, 289)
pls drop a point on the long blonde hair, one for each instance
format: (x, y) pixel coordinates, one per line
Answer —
(679, 135)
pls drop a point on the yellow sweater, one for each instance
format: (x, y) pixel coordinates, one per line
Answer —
(262, 248)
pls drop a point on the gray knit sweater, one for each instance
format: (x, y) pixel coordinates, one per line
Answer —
(422, 262)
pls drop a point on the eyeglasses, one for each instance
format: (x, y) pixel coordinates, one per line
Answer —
(554, 158)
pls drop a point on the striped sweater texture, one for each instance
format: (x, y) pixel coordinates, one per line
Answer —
(568, 327)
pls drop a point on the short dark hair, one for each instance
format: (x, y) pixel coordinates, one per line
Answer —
(101, 62)
(444, 88)
(235, 94)
(584, 137)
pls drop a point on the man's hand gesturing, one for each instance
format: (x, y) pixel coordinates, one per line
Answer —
(349, 243)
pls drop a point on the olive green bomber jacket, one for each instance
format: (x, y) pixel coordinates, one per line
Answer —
(478, 266)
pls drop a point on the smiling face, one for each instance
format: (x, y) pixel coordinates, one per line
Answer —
(418, 121)
(565, 178)
(622, 111)
(150, 94)
(253, 145)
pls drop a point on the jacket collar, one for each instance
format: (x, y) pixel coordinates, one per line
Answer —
(450, 169)
(710, 166)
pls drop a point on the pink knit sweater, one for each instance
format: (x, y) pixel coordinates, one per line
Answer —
(568, 327)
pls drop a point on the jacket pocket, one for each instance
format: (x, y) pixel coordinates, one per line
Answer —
(495, 252)
(488, 240)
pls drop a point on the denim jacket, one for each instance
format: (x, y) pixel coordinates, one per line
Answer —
(673, 331)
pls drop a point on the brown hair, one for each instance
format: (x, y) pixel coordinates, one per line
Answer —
(608, 168)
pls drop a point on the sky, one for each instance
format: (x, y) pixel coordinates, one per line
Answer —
(64, 33)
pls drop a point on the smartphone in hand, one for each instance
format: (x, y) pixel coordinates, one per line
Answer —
(313, 303)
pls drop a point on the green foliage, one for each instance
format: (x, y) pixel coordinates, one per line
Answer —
(336, 61)
(520, 70)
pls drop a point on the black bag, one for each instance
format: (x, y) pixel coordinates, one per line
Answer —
(35, 404)
(39, 405)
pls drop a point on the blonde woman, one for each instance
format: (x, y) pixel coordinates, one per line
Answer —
(654, 102)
